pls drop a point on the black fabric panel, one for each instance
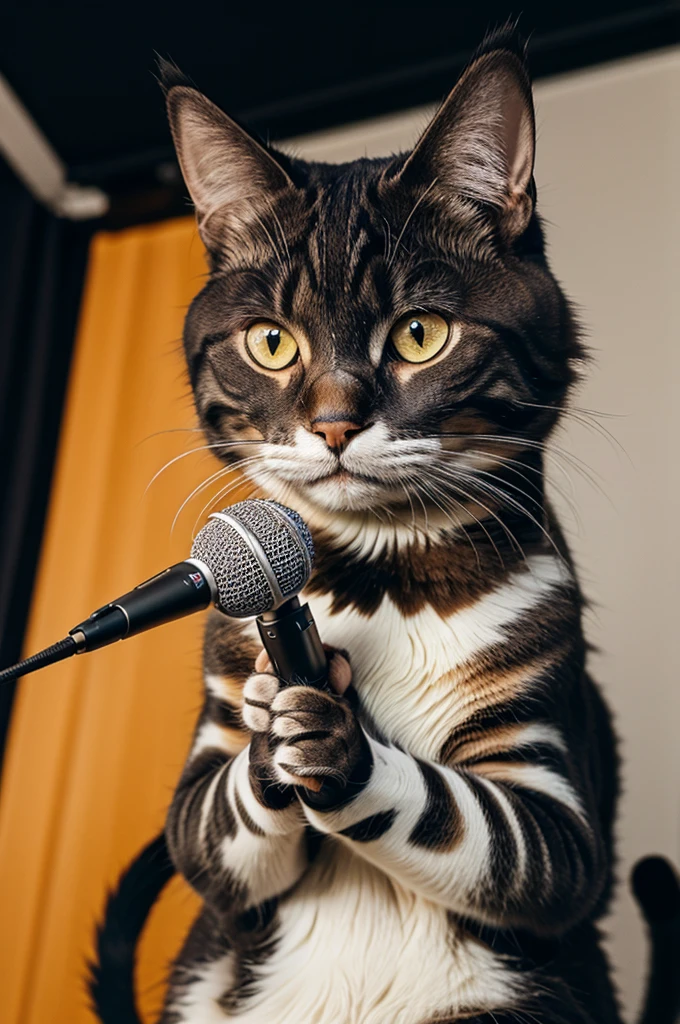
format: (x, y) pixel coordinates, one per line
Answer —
(42, 266)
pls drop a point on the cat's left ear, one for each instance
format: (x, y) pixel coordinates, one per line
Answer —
(481, 142)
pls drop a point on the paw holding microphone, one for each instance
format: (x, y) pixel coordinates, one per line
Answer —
(304, 737)
(253, 559)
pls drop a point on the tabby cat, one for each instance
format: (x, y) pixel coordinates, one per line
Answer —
(384, 346)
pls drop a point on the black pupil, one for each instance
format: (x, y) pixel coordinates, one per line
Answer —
(417, 332)
(273, 340)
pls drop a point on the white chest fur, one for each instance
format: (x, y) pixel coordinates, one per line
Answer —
(356, 948)
(404, 667)
(353, 946)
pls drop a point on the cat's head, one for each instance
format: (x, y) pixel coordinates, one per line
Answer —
(383, 333)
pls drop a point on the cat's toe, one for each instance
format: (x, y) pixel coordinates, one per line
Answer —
(290, 724)
(258, 692)
(288, 765)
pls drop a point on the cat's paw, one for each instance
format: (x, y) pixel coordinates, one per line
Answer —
(292, 723)
(262, 686)
(321, 744)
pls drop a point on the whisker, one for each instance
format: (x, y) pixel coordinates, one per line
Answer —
(517, 506)
(547, 447)
(587, 418)
(482, 527)
(223, 493)
(206, 483)
(192, 451)
(510, 464)
(551, 449)
(427, 521)
(458, 524)
(170, 430)
(506, 529)
(513, 467)
(197, 490)
(507, 483)
(413, 512)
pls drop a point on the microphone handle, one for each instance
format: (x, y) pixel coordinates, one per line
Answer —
(171, 594)
(291, 639)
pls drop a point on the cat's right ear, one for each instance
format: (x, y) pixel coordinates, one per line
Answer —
(230, 176)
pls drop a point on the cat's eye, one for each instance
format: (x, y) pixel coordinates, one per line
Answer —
(271, 346)
(418, 337)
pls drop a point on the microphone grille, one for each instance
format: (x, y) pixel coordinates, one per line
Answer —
(260, 554)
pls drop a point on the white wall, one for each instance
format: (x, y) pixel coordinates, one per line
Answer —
(608, 176)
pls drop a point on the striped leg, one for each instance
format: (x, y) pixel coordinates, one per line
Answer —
(234, 832)
(503, 837)
(506, 843)
(231, 848)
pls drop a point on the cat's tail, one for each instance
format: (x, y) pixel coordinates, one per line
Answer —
(657, 890)
(111, 980)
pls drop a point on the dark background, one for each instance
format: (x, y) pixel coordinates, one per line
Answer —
(85, 71)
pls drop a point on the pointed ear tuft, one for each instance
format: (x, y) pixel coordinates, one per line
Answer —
(169, 75)
(480, 144)
(506, 37)
(229, 174)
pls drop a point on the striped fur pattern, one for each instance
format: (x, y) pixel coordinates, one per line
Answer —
(457, 857)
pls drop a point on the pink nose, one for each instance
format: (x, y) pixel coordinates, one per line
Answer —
(337, 433)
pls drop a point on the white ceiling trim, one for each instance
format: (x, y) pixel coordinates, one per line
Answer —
(34, 161)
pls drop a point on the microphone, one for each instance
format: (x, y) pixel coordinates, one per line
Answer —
(251, 559)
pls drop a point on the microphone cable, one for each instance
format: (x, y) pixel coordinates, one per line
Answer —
(57, 652)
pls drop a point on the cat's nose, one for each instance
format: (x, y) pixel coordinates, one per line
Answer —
(336, 433)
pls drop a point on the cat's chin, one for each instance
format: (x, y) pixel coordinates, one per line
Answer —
(341, 492)
(344, 492)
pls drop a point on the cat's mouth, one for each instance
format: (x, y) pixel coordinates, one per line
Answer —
(348, 490)
(341, 475)
(375, 471)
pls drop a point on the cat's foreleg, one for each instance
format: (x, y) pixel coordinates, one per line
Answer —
(234, 831)
(519, 852)
(509, 842)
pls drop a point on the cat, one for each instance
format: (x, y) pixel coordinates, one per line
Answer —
(381, 345)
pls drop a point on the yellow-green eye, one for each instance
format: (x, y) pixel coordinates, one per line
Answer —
(271, 346)
(418, 337)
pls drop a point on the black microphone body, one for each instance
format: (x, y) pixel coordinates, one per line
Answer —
(288, 634)
(183, 588)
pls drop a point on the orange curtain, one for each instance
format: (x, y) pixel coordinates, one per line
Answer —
(97, 743)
